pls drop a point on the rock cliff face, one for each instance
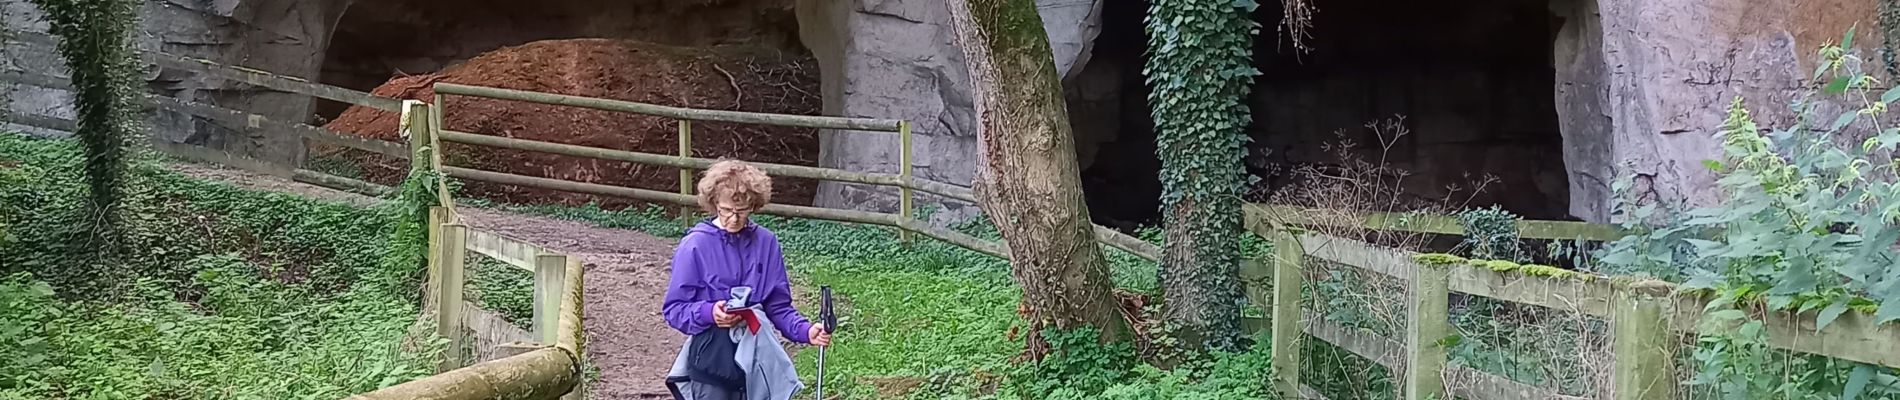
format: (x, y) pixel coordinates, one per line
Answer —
(1634, 86)
(283, 36)
(1642, 85)
(898, 59)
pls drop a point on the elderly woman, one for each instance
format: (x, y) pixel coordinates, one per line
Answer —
(728, 273)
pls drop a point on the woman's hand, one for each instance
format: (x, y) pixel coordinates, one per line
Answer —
(722, 318)
(819, 337)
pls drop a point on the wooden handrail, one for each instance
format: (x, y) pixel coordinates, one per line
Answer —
(1428, 223)
(546, 373)
(694, 114)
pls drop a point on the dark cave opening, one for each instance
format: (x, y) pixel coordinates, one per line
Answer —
(1472, 84)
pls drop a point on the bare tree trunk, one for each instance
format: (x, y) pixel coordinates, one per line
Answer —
(1031, 186)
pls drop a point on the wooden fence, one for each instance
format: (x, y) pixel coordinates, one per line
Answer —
(1648, 318)
(253, 124)
(547, 368)
(550, 366)
(903, 180)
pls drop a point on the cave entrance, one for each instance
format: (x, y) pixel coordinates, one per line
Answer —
(1472, 81)
(1114, 131)
(379, 40)
(709, 54)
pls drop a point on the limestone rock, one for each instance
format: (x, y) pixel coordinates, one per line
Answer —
(898, 59)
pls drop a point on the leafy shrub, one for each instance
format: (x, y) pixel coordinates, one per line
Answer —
(229, 294)
(1084, 369)
(502, 288)
(1807, 224)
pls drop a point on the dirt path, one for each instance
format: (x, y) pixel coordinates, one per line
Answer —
(626, 277)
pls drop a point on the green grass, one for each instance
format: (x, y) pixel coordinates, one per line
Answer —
(942, 316)
(900, 322)
(231, 293)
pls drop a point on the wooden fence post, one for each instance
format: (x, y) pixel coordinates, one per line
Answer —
(686, 174)
(449, 320)
(903, 157)
(1642, 344)
(1287, 278)
(1424, 339)
(550, 283)
(431, 291)
(420, 152)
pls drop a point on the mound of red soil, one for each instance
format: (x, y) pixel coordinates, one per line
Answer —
(725, 78)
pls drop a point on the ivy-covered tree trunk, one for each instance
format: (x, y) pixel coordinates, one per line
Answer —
(1199, 65)
(1030, 184)
(95, 39)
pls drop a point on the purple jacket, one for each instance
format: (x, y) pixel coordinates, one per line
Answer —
(710, 261)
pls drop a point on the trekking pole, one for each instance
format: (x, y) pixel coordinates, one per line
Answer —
(825, 316)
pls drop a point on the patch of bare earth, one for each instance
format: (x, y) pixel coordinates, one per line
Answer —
(626, 277)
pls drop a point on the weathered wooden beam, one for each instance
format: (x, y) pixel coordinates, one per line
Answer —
(852, 216)
(1428, 324)
(1119, 240)
(205, 154)
(796, 171)
(248, 122)
(273, 81)
(257, 77)
(550, 281)
(1854, 336)
(452, 277)
(1478, 385)
(1287, 260)
(239, 120)
(1591, 297)
(1361, 255)
(1644, 349)
(539, 374)
(802, 121)
(1437, 224)
(342, 183)
(518, 253)
(1380, 349)
(572, 332)
(1130, 244)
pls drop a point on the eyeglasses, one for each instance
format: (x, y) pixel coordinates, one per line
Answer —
(735, 212)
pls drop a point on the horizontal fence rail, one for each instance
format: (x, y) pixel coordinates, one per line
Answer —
(38, 41)
(239, 120)
(1435, 224)
(691, 114)
(1104, 235)
(548, 368)
(1647, 315)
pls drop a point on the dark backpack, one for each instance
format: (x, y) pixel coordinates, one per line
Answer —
(711, 361)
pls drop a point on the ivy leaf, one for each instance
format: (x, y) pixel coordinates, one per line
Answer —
(1248, 5)
(1832, 311)
(1705, 248)
(1838, 85)
(1857, 380)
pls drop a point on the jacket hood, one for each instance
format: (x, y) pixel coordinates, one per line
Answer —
(708, 226)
